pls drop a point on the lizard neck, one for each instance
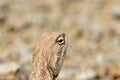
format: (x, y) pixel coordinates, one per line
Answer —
(41, 71)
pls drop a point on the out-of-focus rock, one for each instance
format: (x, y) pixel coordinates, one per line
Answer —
(115, 72)
(12, 71)
(7, 70)
(22, 50)
(8, 67)
(67, 75)
(4, 8)
(86, 75)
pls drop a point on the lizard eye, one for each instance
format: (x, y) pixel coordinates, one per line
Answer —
(60, 40)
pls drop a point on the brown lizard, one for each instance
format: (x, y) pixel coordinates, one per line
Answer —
(48, 56)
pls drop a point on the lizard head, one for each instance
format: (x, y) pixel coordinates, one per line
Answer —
(51, 51)
(54, 51)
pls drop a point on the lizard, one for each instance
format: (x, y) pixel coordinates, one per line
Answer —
(48, 56)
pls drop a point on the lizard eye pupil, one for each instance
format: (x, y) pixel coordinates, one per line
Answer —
(60, 41)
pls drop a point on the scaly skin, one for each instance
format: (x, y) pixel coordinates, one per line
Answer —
(48, 56)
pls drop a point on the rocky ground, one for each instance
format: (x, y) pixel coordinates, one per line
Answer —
(92, 27)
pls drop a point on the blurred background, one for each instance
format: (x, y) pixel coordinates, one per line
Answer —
(93, 28)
